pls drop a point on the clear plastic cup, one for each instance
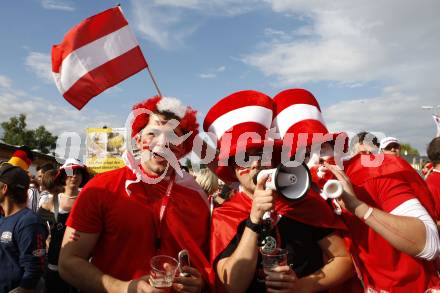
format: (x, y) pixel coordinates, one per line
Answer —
(163, 271)
(271, 260)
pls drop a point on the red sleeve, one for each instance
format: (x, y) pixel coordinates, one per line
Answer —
(433, 182)
(87, 213)
(390, 191)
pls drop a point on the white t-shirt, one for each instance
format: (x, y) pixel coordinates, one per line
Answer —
(45, 197)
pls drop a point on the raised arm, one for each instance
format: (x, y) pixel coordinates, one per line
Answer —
(237, 271)
(408, 229)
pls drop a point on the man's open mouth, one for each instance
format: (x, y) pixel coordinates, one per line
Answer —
(159, 157)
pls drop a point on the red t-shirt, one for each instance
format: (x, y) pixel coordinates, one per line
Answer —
(433, 182)
(128, 224)
(383, 267)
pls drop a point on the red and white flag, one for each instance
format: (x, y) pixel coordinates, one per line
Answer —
(95, 55)
(437, 123)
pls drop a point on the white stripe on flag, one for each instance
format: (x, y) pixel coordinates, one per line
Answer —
(256, 114)
(88, 57)
(294, 114)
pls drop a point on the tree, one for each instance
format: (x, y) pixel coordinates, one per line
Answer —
(407, 149)
(44, 140)
(16, 133)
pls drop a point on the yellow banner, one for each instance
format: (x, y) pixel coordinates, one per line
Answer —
(105, 147)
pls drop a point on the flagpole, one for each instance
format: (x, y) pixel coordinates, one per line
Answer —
(435, 111)
(154, 81)
(148, 68)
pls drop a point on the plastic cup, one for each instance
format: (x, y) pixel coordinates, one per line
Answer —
(163, 270)
(271, 260)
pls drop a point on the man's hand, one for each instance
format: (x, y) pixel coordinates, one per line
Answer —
(263, 201)
(348, 197)
(192, 284)
(143, 286)
(282, 279)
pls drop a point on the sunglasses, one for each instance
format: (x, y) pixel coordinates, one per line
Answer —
(392, 146)
(246, 159)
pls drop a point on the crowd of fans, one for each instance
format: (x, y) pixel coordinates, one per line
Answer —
(37, 213)
(63, 232)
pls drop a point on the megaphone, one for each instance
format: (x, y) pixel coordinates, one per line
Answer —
(291, 182)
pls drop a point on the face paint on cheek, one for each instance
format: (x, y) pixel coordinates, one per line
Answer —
(145, 143)
(147, 147)
(243, 171)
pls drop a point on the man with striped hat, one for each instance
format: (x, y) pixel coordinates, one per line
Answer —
(385, 204)
(307, 229)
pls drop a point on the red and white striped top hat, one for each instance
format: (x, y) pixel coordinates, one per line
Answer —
(240, 122)
(297, 111)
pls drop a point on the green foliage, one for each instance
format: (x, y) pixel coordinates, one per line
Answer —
(16, 133)
(407, 149)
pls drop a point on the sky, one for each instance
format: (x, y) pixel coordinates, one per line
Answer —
(371, 64)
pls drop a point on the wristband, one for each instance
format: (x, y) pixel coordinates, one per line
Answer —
(254, 227)
(368, 213)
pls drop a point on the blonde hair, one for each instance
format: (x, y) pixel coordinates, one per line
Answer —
(207, 180)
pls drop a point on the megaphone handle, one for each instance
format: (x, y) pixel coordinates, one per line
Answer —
(267, 215)
(266, 228)
(338, 208)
